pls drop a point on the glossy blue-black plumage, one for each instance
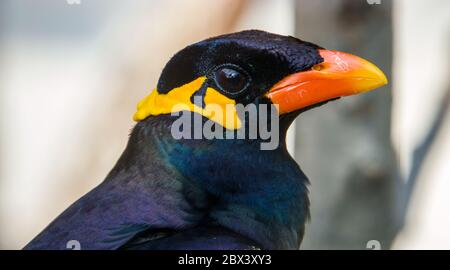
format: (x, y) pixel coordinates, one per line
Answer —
(168, 187)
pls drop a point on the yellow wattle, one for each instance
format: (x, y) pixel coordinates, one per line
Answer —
(219, 108)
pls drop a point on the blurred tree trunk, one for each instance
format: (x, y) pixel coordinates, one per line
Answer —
(344, 147)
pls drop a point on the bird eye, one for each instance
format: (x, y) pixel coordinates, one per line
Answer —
(231, 79)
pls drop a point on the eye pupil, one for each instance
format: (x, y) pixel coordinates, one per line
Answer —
(231, 80)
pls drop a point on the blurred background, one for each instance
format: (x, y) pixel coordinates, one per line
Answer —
(72, 72)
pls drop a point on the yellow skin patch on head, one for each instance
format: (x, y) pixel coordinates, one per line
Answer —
(219, 108)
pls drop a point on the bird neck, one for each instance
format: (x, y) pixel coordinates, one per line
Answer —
(259, 194)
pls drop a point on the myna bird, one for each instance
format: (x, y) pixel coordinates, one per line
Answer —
(172, 193)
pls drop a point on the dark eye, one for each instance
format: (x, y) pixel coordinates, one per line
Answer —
(231, 80)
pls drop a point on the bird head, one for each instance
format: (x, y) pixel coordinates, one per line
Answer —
(256, 67)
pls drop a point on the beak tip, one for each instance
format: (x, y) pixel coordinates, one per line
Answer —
(383, 80)
(375, 74)
(382, 76)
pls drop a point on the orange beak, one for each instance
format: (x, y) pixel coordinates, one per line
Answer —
(340, 74)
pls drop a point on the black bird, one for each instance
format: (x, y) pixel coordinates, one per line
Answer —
(184, 193)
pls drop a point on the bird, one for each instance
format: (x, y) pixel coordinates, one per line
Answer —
(167, 193)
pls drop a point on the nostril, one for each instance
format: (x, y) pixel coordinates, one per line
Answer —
(318, 67)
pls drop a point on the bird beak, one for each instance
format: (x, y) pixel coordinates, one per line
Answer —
(340, 74)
